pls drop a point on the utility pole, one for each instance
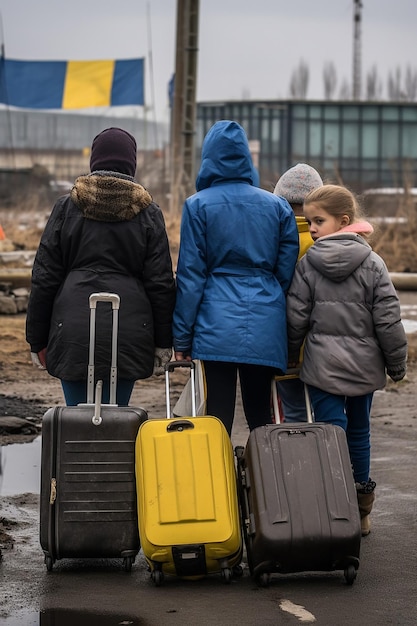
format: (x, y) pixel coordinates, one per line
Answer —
(357, 69)
(184, 104)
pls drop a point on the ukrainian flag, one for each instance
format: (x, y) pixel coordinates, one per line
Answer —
(71, 84)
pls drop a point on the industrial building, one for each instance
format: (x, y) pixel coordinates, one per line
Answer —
(60, 141)
(359, 144)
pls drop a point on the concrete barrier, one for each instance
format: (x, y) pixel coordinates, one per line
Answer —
(16, 277)
(404, 281)
(21, 277)
(22, 258)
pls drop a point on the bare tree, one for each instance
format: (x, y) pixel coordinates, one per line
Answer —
(394, 85)
(410, 84)
(299, 81)
(373, 85)
(345, 91)
(329, 79)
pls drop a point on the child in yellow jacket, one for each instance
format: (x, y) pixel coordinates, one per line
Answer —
(294, 185)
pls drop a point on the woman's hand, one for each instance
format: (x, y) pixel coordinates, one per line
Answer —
(39, 359)
(181, 356)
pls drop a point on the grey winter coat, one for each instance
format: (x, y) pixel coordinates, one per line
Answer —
(107, 235)
(343, 303)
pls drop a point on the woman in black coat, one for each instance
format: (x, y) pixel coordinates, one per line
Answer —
(107, 235)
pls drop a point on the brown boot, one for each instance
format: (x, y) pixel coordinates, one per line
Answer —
(366, 497)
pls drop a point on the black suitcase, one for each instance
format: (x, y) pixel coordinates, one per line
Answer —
(298, 501)
(88, 492)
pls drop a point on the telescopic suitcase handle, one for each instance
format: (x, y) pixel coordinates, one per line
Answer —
(170, 367)
(114, 299)
(104, 296)
(290, 374)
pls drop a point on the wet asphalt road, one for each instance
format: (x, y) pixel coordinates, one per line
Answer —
(101, 593)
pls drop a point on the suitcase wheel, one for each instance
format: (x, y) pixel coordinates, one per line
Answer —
(227, 575)
(237, 571)
(127, 563)
(157, 577)
(263, 579)
(239, 452)
(49, 562)
(350, 574)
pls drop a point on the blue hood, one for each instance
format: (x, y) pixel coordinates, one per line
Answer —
(225, 156)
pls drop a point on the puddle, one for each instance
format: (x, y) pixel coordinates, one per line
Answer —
(68, 617)
(409, 310)
(20, 465)
(21, 619)
(410, 326)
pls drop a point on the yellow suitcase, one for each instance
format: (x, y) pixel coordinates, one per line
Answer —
(189, 521)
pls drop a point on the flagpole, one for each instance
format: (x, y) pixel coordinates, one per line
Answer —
(151, 74)
(3, 77)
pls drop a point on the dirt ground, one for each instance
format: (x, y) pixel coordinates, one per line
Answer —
(26, 392)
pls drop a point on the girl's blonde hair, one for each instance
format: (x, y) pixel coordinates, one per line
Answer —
(336, 201)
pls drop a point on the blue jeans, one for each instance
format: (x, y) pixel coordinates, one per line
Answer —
(291, 393)
(75, 391)
(353, 415)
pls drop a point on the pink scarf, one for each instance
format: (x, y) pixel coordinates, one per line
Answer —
(358, 227)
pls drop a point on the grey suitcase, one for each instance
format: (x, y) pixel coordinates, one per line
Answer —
(88, 491)
(298, 500)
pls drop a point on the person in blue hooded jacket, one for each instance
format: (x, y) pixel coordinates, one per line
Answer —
(238, 250)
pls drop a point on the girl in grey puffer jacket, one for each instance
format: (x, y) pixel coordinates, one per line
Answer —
(343, 304)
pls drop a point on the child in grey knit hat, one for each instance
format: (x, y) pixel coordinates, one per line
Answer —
(294, 185)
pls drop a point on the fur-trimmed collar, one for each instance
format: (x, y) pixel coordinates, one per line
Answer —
(109, 197)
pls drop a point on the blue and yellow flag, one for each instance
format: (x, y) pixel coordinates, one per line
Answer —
(71, 84)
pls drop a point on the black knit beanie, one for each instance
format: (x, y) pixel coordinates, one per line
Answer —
(114, 150)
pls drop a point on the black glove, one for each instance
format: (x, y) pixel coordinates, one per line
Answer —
(397, 372)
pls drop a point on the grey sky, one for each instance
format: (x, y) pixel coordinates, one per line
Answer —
(247, 48)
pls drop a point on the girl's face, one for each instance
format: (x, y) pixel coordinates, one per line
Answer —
(321, 223)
